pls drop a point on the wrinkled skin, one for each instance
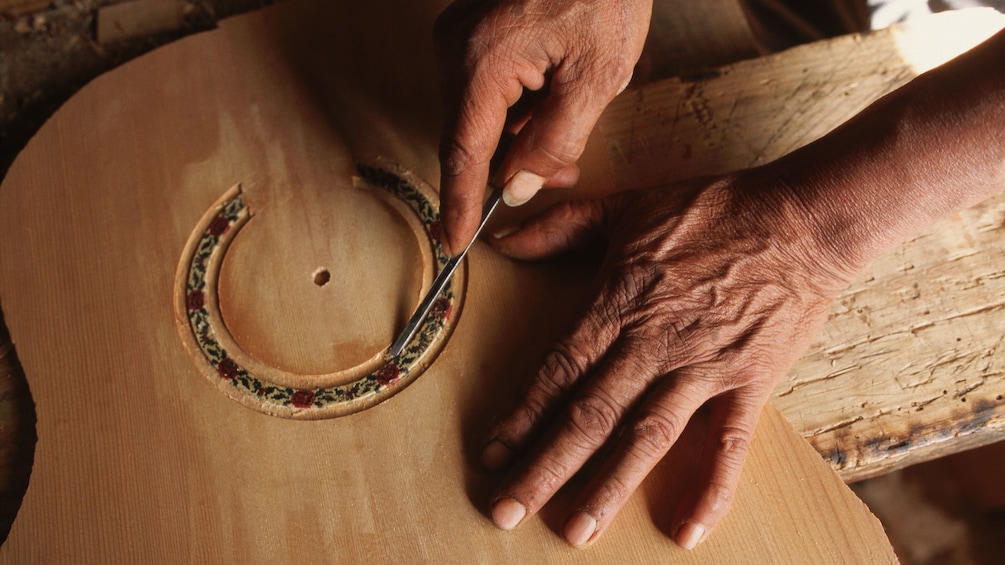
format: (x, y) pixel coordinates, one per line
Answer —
(708, 292)
(542, 70)
(701, 300)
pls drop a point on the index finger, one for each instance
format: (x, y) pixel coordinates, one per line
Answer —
(474, 123)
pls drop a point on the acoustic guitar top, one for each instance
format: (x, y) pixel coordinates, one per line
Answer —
(206, 254)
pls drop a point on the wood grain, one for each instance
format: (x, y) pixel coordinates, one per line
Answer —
(910, 365)
(748, 113)
(139, 458)
(912, 357)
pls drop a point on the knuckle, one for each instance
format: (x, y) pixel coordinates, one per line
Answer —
(598, 72)
(734, 443)
(531, 411)
(620, 74)
(654, 434)
(568, 212)
(455, 158)
(632, 279)
(487, 51)
(559, 149)
(486, 67)
(609, 74)
(616, 299)
(677, 339)
(550, 476)
(613, 492)
(719, 497)
(591, 416)
(563, 365)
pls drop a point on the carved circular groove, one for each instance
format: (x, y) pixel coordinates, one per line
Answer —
(273, 391)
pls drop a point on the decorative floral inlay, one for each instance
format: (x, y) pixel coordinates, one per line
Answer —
(244, 383)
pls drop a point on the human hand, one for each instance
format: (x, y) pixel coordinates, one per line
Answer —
(543, 70)
(707, 295)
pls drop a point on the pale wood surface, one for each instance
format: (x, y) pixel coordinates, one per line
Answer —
(139, 458)
(910, 365)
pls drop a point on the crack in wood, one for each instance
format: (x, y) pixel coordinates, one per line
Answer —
(807, 382)
(842, 424)
(919, 405)
(971, 388)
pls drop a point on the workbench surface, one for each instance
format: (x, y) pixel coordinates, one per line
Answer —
(909, 366)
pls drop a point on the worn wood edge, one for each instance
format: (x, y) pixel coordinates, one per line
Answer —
(855, 506)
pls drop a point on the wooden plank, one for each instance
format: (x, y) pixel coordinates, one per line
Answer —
(140, 457)
(911, 362)
(749, 113)
(910, 365)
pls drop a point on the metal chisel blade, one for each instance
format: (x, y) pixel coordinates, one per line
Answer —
(440, 281)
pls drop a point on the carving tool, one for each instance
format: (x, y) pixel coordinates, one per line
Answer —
(449, 267)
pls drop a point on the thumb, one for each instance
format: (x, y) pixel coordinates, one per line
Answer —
(549, 144)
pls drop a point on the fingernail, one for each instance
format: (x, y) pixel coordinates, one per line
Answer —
(521, 188)
(507, 513)
(580, 528)
(689, 534)
(503, 232)
(625, 84)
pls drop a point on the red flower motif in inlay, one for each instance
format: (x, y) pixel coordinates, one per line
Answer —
(218, 226)
(302, 398)
(227, 368)
(387, 374)
(441, 309)
(436, 230)
(196, 300)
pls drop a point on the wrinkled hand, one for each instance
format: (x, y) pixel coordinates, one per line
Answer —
(708, 294)
(541, 69)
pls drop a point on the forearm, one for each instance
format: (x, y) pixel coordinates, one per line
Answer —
(934, 146)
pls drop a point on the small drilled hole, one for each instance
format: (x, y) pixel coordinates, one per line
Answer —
(321, 277)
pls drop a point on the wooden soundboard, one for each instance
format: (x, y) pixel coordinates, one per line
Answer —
(281, 163)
